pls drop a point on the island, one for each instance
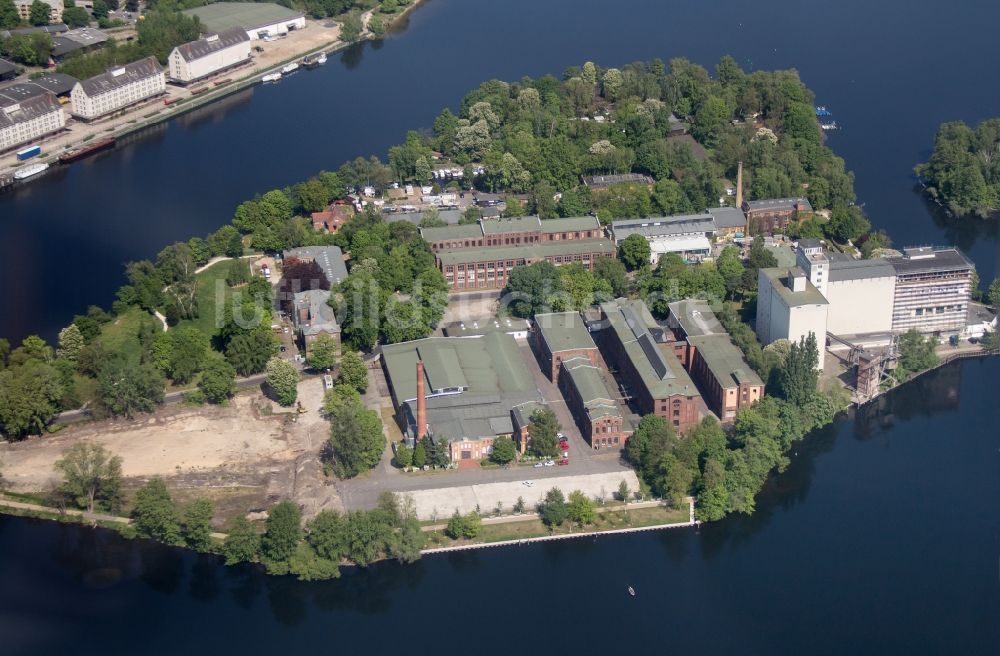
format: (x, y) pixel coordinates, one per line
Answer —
(606, 301)
(963, 173)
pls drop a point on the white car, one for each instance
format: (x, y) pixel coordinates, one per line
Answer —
(539, 464)
(550, 463)
(529, 483)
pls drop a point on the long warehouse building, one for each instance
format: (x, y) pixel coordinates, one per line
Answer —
(190, 62)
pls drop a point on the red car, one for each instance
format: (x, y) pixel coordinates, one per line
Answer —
(564, 461)
(563, 444)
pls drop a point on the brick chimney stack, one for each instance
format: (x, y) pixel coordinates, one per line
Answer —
(421, 403)
(739, 185)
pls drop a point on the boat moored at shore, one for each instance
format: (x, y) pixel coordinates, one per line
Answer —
(271, 77)
(288, 68)
(314, 60)
(80, 152)
(30, 171)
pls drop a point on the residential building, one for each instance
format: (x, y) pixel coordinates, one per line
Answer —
(703, 346)
(314, 317)
(790, 307)
(516, 328)
(560, 336)
(933, 287)
(7, 70)
(593, 406)
(329, 258)
(462, 390)
(729, 222)
(333, 218)
(489, 268)
(55, 9)
(687, 235)
(605, 181)
(118, 88)
(259, 20)
(774, 214)
(190, 62)
(81, 40)
(27, 119)
(648, 371)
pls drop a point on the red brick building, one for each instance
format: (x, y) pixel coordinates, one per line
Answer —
(596, 412)
(559, 336)
(774, 215)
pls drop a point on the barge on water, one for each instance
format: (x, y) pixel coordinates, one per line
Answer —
(314, 60)
(74, 154)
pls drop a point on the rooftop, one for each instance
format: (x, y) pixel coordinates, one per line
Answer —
(519, 224)
(563, 331)
(589, 385)
(728, 217)
(776, 204)
(571, 224)
(526, 251)
(84, 37)
(6, 67)
(657, 366)
(120, 77)
(484, 325)
(329, 258)
(212, 43)
(621, 178)
(842, 270)
(321, 316)
(56, 83)
(684, 224)
(446, 233)
(695, 317)
(724, 360)
(12, 113)
(929, 260)
(779, 282)
(221, 16)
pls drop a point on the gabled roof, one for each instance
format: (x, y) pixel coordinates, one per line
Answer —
(527, 251)
(664, 226)
(724, 360)
(774, 204)
(6, 67)
(589, 385)
(695, 317)
(519, 224)
(728, 217)
(120, 77)
(571, 224)
(564, 331)
(329, 258)
(12, 113)
(212, 43)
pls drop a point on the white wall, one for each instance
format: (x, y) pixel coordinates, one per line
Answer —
(860, 306)
(805, 319)
(277, 28)
(185, 71)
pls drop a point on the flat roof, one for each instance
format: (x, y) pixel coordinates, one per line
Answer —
(779, 278)
(221, 16)
(695, 317)
(619, 178)
(683, 224)
(484, 325)
(526, 251)
(849, 269)
(779, 204)
(934, 260)
(658, 368)
(728, 217)
(724, 360)
(564, 331)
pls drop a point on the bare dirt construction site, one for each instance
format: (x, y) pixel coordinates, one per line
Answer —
(245, 456)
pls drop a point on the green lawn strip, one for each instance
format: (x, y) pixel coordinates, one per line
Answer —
(205, 295)
(122, 334)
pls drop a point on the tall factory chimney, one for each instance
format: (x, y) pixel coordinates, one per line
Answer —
(421, 403)
(739, 185)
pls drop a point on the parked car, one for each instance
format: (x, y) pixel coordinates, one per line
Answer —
(564, 445)
(538, 464)
(550, 463)
(564, 461)
(529, 483)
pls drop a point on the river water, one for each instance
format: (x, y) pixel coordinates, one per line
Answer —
(881, 538)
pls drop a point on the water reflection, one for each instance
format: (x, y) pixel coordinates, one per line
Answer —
(935, 392)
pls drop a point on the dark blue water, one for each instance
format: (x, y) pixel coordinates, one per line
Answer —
(881, 538)
(891, 71)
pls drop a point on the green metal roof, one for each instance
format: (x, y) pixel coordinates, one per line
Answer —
(589, 385)
(724, 360)
(500, 226)
(695, 317)
(531, 252)
(779, 279)
(446, 233)
(563, 331)
(571, 223)
(221, 16)
(660, 370)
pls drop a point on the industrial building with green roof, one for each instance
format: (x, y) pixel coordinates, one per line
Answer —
(650, 373)
(259, 19)
(559, 336)
(470, 385)
(594, 407)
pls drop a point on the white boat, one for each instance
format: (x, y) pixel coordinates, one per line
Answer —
(28, 171)
(288, 68)
(271, 77)
(321, 59)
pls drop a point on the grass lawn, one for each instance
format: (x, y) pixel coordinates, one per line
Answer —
(208, 298)
(122, 334)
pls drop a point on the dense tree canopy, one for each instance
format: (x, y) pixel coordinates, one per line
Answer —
(356, 441)
(964, 169)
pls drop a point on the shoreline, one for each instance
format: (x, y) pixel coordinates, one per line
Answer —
(165, 114)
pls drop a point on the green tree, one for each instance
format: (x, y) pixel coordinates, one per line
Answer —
(323, 353)
(242, 543)
(155, 515)
(419, 454)
(404, 455)
(613, 271)
(532, 289)
(634, 252)
(125, 389)
(249, 353)
(39, 12)
(554, 508)
(29, 398)
(624, 493)
(71, 342)
(993, 294)
(356, 441)
(464, 526)
(543, 427)
(580, 508)
(9, 18)
(798, 377)
(218, 380)
(283, 379)
(197, 526)
(76, 17)
(376, 25)
(283, 532)
(32, 347)
(353, 371)
(369, 535)
(327, 534)
(916, 353)
(503, 450)
(92, 477)
(846, 224)
(350, 27)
